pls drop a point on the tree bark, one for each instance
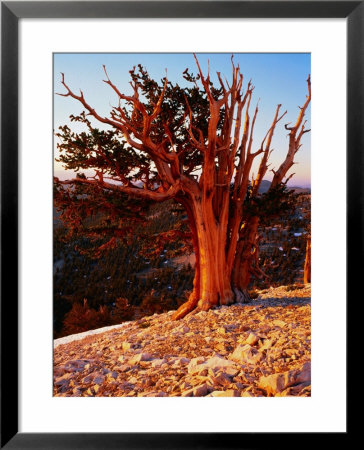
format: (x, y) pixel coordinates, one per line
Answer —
(212, 283)
(246, 252)
(307, 267)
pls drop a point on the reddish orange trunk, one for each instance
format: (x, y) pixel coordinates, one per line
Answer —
(215, 285)
(246, 255)
(212, 283)
(307, 267)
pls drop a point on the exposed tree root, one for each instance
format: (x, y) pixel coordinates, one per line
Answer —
(195, 305)
(246, 296)
(241, 296)
(227, 298)
(186, 307)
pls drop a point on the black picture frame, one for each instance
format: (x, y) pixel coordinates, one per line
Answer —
(11, 12)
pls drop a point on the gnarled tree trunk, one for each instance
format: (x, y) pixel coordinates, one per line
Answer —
(212, 283)
(307, 267)
(246, 255)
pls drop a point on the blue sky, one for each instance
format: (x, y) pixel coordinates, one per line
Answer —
(277, 77)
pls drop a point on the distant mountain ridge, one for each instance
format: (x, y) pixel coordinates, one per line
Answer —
(265, 185)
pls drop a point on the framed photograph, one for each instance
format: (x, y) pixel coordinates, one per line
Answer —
(51, 48)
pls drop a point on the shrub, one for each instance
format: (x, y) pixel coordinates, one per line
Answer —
(82, 318)
(122, 311)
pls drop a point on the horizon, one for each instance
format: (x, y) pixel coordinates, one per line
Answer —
(63, 175)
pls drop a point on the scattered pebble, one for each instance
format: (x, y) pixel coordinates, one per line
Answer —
(262, 348)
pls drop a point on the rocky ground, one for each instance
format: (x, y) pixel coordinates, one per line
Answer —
(258, 349)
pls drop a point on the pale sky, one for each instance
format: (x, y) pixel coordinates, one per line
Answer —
(277, 77)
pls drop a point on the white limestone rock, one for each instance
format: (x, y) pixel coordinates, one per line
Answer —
(252, 339)
(140, 357)
(198, 365)
(246, 354)
(278, 382)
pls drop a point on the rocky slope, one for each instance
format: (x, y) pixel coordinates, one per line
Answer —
(258, 349)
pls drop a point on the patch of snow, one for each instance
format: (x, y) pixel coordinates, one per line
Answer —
(281, 249)
(297, 234)
(79, 336)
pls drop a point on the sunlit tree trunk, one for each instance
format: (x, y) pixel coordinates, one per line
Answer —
(246, 255)
(307, 267)
(212, 282)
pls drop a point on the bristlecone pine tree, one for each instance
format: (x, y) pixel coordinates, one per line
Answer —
(193, 145)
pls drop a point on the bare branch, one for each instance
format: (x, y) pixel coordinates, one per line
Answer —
(263, 166)
(134, 192)
(294, 141)
(198, 144)
(288, 178)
